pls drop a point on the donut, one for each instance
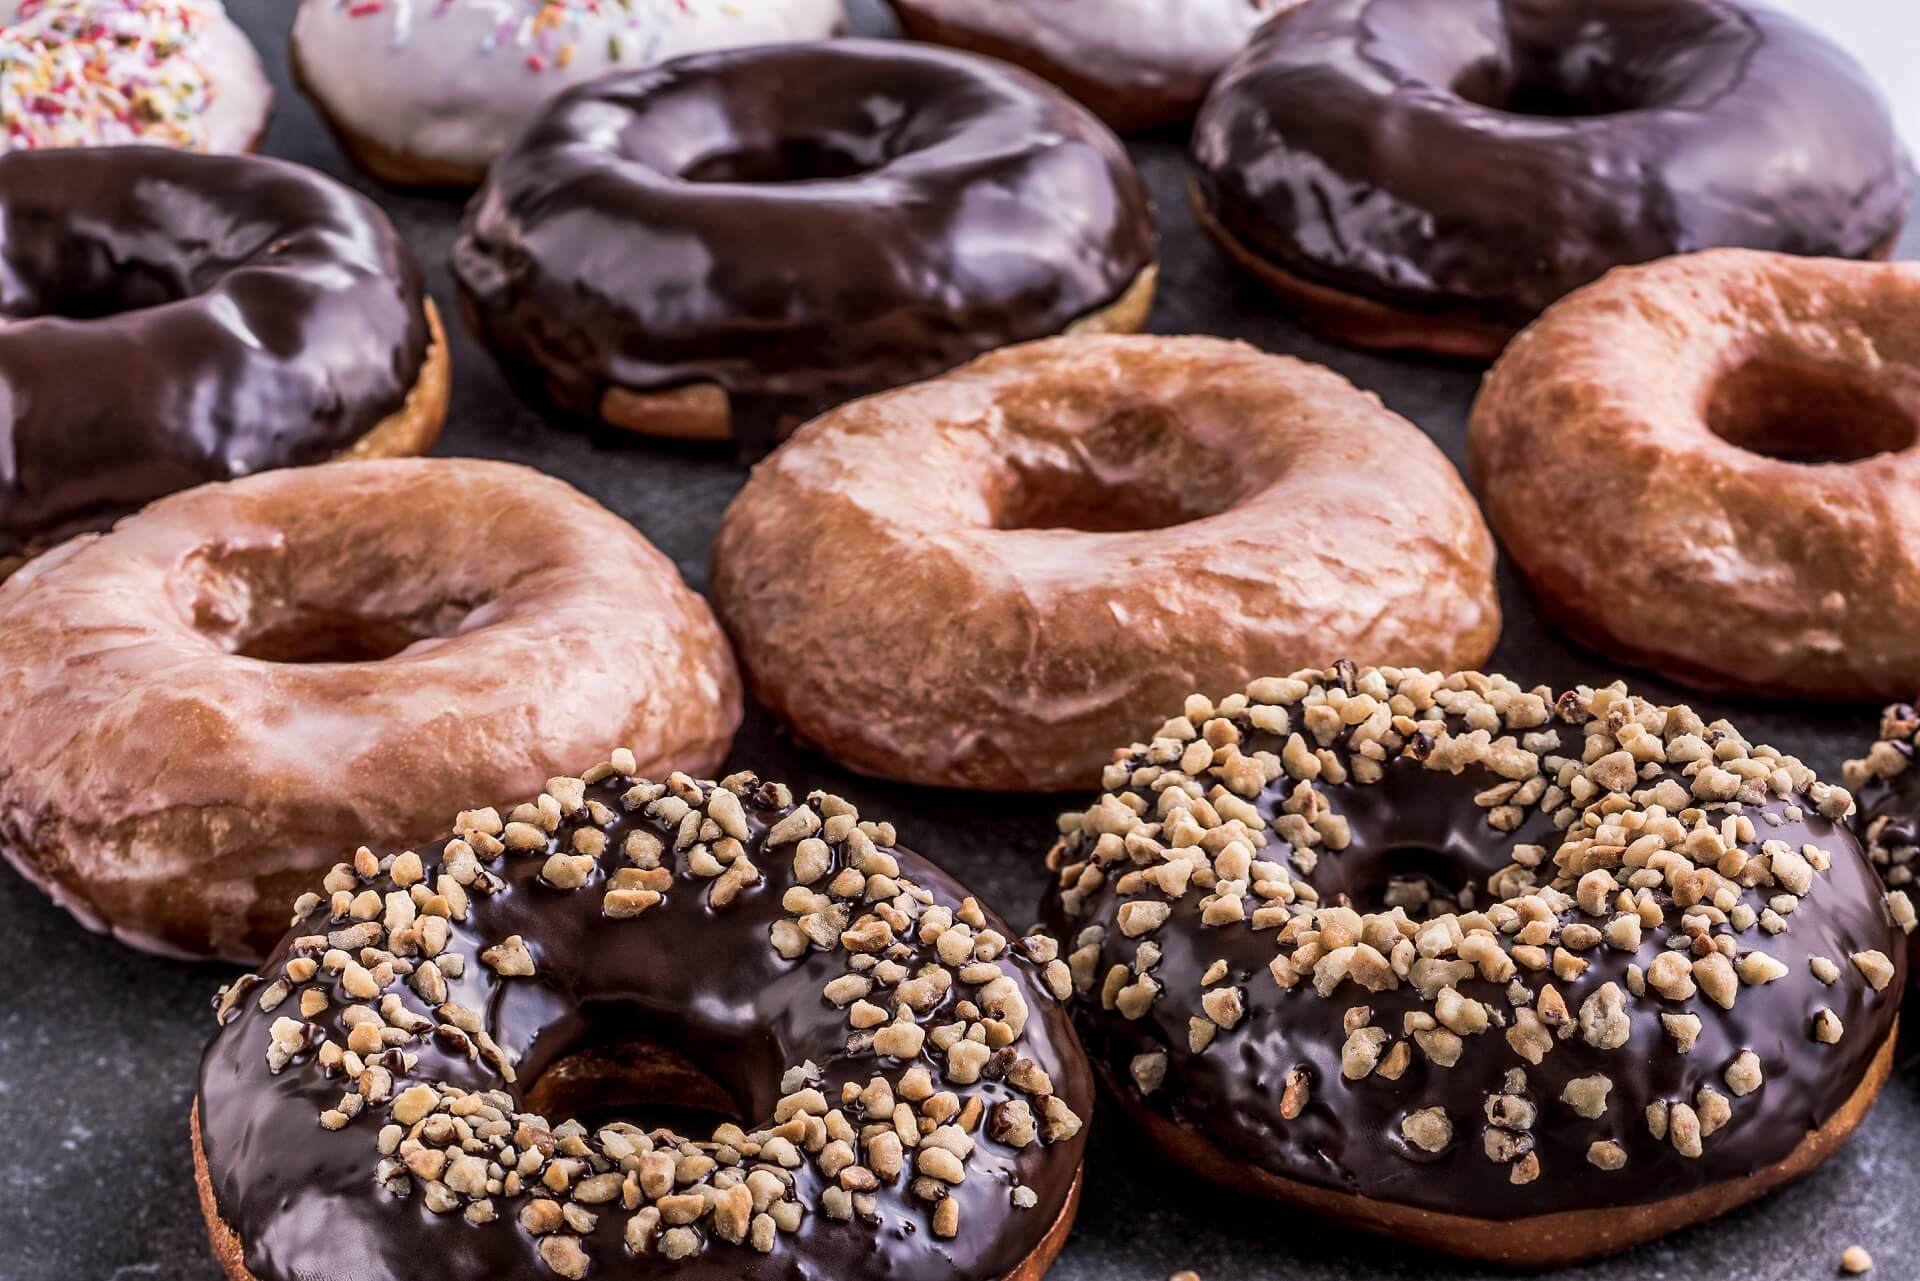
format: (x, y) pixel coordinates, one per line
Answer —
(252, 314)
(1429, 175)
(1889, 817)
(1516, 977)
(1139, 64)
(716, 248)
(1036, 549)
(209, 702)
(894, 1087)
(1707, 466)
(91, 73)
(429, 92)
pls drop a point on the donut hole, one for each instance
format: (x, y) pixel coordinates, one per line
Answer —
(318, 637)
(783, 160)
(1490, 82)
(1424, 882)
(84, 290)
(282, 604)
(1801, 409)
(633, 1080)
(1140, 469)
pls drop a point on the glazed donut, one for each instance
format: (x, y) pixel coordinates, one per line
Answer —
(901, 1089)
(1039, 550)
(1139, 64)
(718, 248)
(1502, 974)
(1706, 466)
(253, 314)
(1889, 819)
(428, 92)
(1431, 174)
(90, 73)
(207, 700)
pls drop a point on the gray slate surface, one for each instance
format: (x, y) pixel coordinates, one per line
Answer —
(99, 1045)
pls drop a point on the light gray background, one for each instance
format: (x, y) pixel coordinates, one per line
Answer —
(98, 1045)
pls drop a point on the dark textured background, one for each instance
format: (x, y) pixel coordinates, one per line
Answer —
(98, 1045)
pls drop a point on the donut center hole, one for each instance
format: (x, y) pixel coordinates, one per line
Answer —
(1802, 410)
(320, 637)
(83, 290)
(784, 160)
(1424, 882)
(640, 1082)
(1492, 83)
(1138, 470)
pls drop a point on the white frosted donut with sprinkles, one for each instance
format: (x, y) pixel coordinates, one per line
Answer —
(100, 73)
(428, 92)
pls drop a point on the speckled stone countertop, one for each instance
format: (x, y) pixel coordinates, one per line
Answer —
(99, 1045)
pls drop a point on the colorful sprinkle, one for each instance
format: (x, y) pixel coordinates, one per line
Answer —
(77, 73)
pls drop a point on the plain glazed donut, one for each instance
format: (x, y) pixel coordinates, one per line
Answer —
(1040, 549)
(94, 73)
(717, 248)
(901, 1089)
(1139, 64)
(208, 702)
(1889, 819)
(249, 313)
(1520, 978)
(1707, 466)
(1431, 174)
(429, 92)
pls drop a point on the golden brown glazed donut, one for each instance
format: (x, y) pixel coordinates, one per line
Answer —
(210, 701)
(1707, 466)
(902, 1091)
(1521, 977)
(978, 580)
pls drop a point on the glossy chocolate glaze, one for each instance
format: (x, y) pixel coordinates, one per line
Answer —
(701, 981)
(169, 319)
(723, 219)
(1349, 1138)
(1352, 145)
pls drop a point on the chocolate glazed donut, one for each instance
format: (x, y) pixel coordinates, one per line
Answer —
(908, 1087)
(1520, 978)
(718, 247)
(1430, 174)
(246, 314)
(1889, 819)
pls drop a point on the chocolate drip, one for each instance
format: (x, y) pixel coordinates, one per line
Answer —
(169, 319)
(1482, 158)
(725, 220)
(701, 981)
(1349, 1139)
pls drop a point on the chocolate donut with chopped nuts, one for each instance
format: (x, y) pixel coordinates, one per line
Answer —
(1888, 820)
(902, 1090)
(1512, 976)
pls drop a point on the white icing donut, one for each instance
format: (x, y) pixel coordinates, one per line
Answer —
(93, 73)
(452, 82)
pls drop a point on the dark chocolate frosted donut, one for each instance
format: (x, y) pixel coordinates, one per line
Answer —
(721, 246)
(1519, 977)
(387, 1097)
(1431, 174)
(1889, 817)
(1139, 64)
(248, 314)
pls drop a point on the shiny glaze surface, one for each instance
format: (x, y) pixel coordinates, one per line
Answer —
(719, 220)
(1351, 145)
(252, 314)
(1349, 1139)
(700, 980)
